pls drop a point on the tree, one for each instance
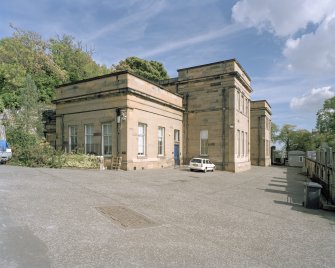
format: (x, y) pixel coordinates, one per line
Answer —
(274, 132)
(297, 139)
(71, 57)
(22, 54)
(326, 117)
(49, 63)
(152, 70)
(28, 117)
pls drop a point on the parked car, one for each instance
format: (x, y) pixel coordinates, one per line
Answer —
(5, 152)
(201, 164)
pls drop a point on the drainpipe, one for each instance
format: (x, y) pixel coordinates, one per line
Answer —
(186, 126)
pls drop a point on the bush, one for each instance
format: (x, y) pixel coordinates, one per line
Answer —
(30, 151)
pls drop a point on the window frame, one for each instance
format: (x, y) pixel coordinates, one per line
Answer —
(204, 142)
(109, 139)
(142, 152)
(161, 141)
(176, 131)
(90, 135)
(73, 144)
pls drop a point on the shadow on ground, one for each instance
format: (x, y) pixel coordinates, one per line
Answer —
(292, 184)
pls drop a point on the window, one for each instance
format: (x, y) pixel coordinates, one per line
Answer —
(73, 138)
(161, 140)
(243, 107)
(176, 135)
(301, 158)
(107, 139)
(242, 142)
(238, 100)
(238, 143)
(89, 139)
(142, 133)
(204, 142)
(246, 144)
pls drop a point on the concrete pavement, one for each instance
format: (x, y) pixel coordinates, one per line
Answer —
(160, 218)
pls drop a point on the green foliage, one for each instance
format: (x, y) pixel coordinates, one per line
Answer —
(80, 161)
(326, 117)
(26, 53)
(151, 70)
(28, 150)
(2, 105)
(274, 132)
(28, 116)
(298, 139)
(49, 63)
(11, 100)
(74, 60)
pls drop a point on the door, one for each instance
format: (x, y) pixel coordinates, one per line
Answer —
(176, 155)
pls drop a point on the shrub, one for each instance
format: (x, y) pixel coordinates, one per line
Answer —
(30, 151)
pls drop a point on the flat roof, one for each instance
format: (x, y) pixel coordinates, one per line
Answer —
(262, 101)
(213, 63)
(110, 75)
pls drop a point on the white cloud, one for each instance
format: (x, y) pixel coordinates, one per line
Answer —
(312, 101)
(307, 25)
(313, 53)
(282, 18)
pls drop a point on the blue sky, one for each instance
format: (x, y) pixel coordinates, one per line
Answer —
(286, 47)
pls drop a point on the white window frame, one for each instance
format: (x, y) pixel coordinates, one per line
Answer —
(89, 138)
(246, 144)
(73, 138)
(142, 139)
(238, 143)
(242, 142)
(106, 139)
(176, 135)
(161, 141)
(204, 142)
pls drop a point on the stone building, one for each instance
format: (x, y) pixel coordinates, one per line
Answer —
(120, 114)
(260, 131)
(217, 113)
(205, 111)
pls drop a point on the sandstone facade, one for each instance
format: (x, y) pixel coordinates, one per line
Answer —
(206, 111)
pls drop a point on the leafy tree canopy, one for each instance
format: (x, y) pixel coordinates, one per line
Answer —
(326, 117)
(152, 70)
(76, 61)
(297, 139)
(274, 132)
(49, 63)
(26, 53)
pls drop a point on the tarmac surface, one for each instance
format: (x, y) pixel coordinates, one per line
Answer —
(160, 218)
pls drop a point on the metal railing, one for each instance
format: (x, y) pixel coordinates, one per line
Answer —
(324, 174)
